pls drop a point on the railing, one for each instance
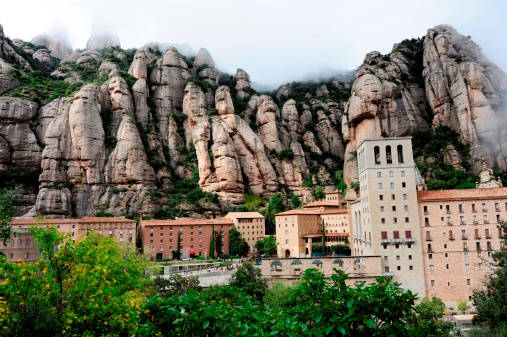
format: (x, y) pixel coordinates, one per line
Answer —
(429, 238)
(497, 209)
(477, 237)
(484, 209)
(464, 237)
(449, 223)
(448, 211)
(452, 237)
(478, 248)
(465, 249)
(486, 221)
(488, 236)
(388, 274)
(489, 247)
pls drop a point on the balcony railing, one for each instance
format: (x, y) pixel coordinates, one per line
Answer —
(478, 248)
(489, 247)
(464, 237)
(488, 236)
(486, 221)
(429, 238)
(388, 274)
(448, 211)
(465, 249)
(449, 223)
(477, 236)
(451, 237)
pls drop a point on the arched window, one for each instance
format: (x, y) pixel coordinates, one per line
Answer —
(376, 150)
(400, 154)
(389, 154)
(27, 242)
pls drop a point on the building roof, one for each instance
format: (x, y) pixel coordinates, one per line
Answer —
(335, 211)
(18, 222)
(322, 203)
(187, 221)
(474, 194)
(340, 235)
(243, 215)
(298, 212)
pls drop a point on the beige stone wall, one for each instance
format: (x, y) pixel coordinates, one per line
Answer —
(457, 252)
(388, 204)
(289, 231)
(288, 270)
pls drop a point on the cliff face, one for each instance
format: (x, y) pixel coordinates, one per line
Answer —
(128, 131)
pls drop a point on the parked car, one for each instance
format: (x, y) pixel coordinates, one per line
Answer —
(186, 259)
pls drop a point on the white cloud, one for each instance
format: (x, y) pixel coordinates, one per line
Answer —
(274, 41)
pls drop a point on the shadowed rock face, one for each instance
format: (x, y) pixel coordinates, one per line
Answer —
(119, 145)
(57, 44)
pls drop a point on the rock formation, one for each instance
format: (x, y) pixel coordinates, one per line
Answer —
(57, 43)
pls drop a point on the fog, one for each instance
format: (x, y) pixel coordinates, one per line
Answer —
(274, 41)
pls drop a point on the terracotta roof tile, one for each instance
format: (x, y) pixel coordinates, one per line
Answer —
(478, 193)
(321, 203)
(242, 215)
(298, 212)
(337, 211)
(187, 221)
(72, 221)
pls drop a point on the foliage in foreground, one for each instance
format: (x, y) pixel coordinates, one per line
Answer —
(95, 287)
(89, 288)
(491, 303)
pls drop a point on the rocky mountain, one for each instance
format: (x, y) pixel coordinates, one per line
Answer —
(152, 132)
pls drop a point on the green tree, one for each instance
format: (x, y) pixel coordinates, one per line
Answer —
(7, 210)
(237, 244)
(218, 242)
(249, 279)
(294, 200)
(462, 304)
(340, 249)
(428, 319)
(267, 245)
(276, 295)
(212, 243)
(176, 284)
(491, 303)
(87, 288)
(275, 205)
(323, 237)
(318, 193)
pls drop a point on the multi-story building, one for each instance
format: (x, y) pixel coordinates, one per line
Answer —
(298, 230)
(121, 229)
(20, 247)
(385, 219)
(160, 237)
(459, 234)
(251, 225)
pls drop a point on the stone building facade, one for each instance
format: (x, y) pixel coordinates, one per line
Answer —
(20, 247)
(459, 230)
(160, 237)
(121, 229)
(385, 219)
(251, 225)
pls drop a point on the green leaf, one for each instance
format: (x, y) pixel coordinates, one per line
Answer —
(371, 323)
(205, 324)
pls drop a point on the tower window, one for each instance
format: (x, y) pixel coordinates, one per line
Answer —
(389, 154)
(376, 151)
(400, 154)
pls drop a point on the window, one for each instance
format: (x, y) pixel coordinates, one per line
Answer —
(379, 174)
(497, 208)
(432, 283)
(379, 186)
(480, 266)
(430, 256)
(385, 258)
(396, 234)
(381, 208)
(405, 197)
(402, 173)
(27, 255)
(20, 242)
(426, 222)
(473, 207)
(376, 151)
(390, 173)
(425, 209)
(467, 266)
(151, 229)
(383, 235)
(27, 242)
(394, 208)
(408, 234)
(393, 197)
(460, 208)
(389, 155)
(468, 282)
(400, 154)
(397, 257)
(395, 220)
(403, 184)
(381, 197)
(407, 219)
(405, 208)
(432, 267)
(446, 266)
(286, 241)
(383, 220)
(410, 257)
(391, 185)
(398, 267)
(462, 219)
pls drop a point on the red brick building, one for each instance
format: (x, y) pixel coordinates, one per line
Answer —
(160, 237)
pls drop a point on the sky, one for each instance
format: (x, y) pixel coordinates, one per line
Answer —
(274, 41)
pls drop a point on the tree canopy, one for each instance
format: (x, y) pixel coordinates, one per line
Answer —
(267, 245)
(7, 210)
(237, 244)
